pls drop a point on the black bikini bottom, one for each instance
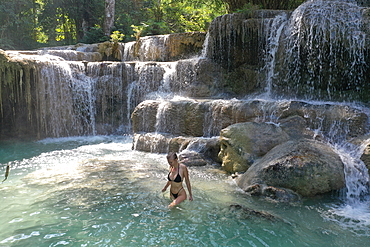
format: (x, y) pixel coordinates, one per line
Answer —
(177, 194)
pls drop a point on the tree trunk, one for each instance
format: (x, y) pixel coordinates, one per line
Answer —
(108, 16)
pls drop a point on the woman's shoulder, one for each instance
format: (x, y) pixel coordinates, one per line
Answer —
(183, 166)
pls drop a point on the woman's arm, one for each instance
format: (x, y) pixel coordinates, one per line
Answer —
(187, 181)
(166, 186)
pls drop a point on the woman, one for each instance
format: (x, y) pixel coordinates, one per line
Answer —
(178, 172)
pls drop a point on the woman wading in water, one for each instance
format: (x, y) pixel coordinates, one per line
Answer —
(178, 172)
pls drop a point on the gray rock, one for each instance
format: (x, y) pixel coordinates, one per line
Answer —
(243, 143)
(248, 213)
(307, 167)
(273, 193)
(192, 158)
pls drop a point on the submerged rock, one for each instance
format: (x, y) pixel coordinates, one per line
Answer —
(248, 213)
(307, 167)
(273, 193)
(243, 143)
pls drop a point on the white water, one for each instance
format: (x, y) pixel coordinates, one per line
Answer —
(326, 42)
(161, 117)
(273, 31)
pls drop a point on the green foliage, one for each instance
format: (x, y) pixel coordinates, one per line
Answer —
(27, 24)
(6, 44)
(116, 36)
(138, 30)
(110, 51)
(248, 8)
(17, 23)
(68, 21)
(186, 16)
(94, 35)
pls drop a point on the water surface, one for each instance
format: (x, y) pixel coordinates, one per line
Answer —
(96, 191)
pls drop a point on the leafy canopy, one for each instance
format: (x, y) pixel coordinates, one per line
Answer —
(27, 24)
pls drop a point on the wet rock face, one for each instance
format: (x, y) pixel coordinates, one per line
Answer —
(151, 142)
(239, 38)
(192, 158)
(237, 42)
(306, 167)
(243, 143)
(209, 117)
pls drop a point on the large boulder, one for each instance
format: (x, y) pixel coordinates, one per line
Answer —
(241, 144)
(151, 142)
(306, 167)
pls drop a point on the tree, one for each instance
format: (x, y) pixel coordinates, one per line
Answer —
(176, 16)
(68, 21)
(109, 16)
(17, 24)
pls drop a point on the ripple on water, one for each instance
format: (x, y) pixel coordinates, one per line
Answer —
(105, 194)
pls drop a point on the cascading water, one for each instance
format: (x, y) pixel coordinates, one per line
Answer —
(94, 98)
(326, 51)
(274, 30)
(319, 53)
(324, 54)
(111, 82)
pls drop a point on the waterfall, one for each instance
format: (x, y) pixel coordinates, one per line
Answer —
(161, 118)
(356, 173)
(326, 48)
(204, 53)
(51, 94)
(273, 31)
(84, 97)
(130, 107)
(324, 51)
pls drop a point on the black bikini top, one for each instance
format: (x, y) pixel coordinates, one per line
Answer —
(177, 178)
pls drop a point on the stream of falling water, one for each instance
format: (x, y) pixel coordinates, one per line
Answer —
(325, 48)
(274, 31)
